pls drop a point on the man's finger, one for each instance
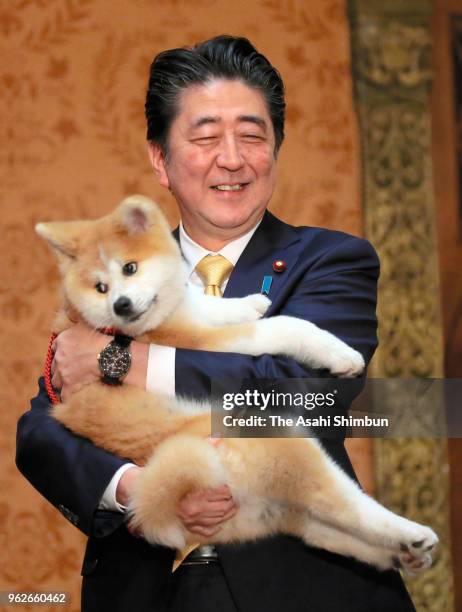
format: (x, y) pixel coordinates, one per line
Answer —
(217, 519)
(220, 506)
(203, 521)
(207, 532)
(229, 514)
(222, 493)
(213, 512)
(206, 508)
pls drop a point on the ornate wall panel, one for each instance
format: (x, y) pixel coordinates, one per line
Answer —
(447, 165)
(392, 75)
(72, 80)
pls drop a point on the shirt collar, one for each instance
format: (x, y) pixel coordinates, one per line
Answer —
(193, 252)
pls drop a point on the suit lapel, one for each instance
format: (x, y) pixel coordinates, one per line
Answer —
(273, 240)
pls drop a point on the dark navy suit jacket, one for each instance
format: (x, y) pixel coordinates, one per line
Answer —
(330, 279)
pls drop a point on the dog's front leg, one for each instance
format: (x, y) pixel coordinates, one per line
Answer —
(280, 335)
(302, 340)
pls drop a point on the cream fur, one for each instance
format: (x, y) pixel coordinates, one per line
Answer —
(280, 485)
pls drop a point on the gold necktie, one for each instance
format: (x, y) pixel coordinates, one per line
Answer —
(213, 271)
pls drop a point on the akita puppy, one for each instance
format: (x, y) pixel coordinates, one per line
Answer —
(280, 485)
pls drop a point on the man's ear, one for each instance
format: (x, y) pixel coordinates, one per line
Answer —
(157, 159)
(63, 236)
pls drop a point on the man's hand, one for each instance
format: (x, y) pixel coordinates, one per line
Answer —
(202, 512)
(75, 362)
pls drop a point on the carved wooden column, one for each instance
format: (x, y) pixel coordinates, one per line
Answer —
(392, 78)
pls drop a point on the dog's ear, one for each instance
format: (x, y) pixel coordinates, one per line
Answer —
(63, 236)
(137, 214)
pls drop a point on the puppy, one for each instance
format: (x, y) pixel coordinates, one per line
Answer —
(280, 485)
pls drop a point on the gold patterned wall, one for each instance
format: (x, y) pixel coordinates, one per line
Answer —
(446, 153)
(72, 80)
(393, 75)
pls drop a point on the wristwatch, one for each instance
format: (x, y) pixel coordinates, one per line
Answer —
(115, 360)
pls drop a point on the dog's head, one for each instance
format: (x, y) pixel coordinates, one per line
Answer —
(124, 270)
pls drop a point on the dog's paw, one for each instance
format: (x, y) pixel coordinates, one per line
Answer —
(247, 309)
(345, 362)
(415, 553)
(423, 540)
(258, 304)
(412, 565)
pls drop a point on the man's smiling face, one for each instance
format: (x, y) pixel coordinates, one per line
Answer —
(220, 166)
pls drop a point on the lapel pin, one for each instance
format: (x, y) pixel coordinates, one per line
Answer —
(279, 265)
(266, 285)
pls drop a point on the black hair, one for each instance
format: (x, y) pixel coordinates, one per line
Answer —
(227, 57)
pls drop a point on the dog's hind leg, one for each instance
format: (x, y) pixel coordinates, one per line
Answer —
(316, 533)
(300, 473)
(321, 487)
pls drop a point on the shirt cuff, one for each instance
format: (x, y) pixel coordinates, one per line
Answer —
(160, 376)
(108, 500)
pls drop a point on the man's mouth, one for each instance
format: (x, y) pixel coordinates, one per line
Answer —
(229, 187)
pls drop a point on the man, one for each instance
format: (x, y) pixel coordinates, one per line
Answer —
(215, 124)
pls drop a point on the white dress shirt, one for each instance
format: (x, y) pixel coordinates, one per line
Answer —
(160, 376)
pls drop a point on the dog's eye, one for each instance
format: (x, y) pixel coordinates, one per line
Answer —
(130, 268)
(101, 287)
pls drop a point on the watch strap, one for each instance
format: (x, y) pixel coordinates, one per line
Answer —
(122, 340)
(109, 380)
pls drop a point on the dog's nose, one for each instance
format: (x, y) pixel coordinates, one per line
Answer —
(123, 306)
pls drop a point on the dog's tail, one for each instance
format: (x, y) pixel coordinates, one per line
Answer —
(180, 465)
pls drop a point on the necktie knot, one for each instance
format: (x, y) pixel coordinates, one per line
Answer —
(213, 271)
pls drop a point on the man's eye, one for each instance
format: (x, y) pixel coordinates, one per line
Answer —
(101, 287)
(252, 137)
(205, 140)
(130, 268)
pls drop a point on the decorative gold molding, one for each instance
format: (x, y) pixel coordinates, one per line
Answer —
(394, 53)
(392, 77)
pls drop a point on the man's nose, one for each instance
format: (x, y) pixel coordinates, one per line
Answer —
(229, 155)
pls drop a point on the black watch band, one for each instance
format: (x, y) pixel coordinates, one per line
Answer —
(110, 380)
(122, 340)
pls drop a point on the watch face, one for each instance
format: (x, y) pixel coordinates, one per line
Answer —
(114, 361)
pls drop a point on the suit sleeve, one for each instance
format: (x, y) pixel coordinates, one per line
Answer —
(69, 471)
(337, 293)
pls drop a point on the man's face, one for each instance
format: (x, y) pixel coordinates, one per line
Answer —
(220, 166)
